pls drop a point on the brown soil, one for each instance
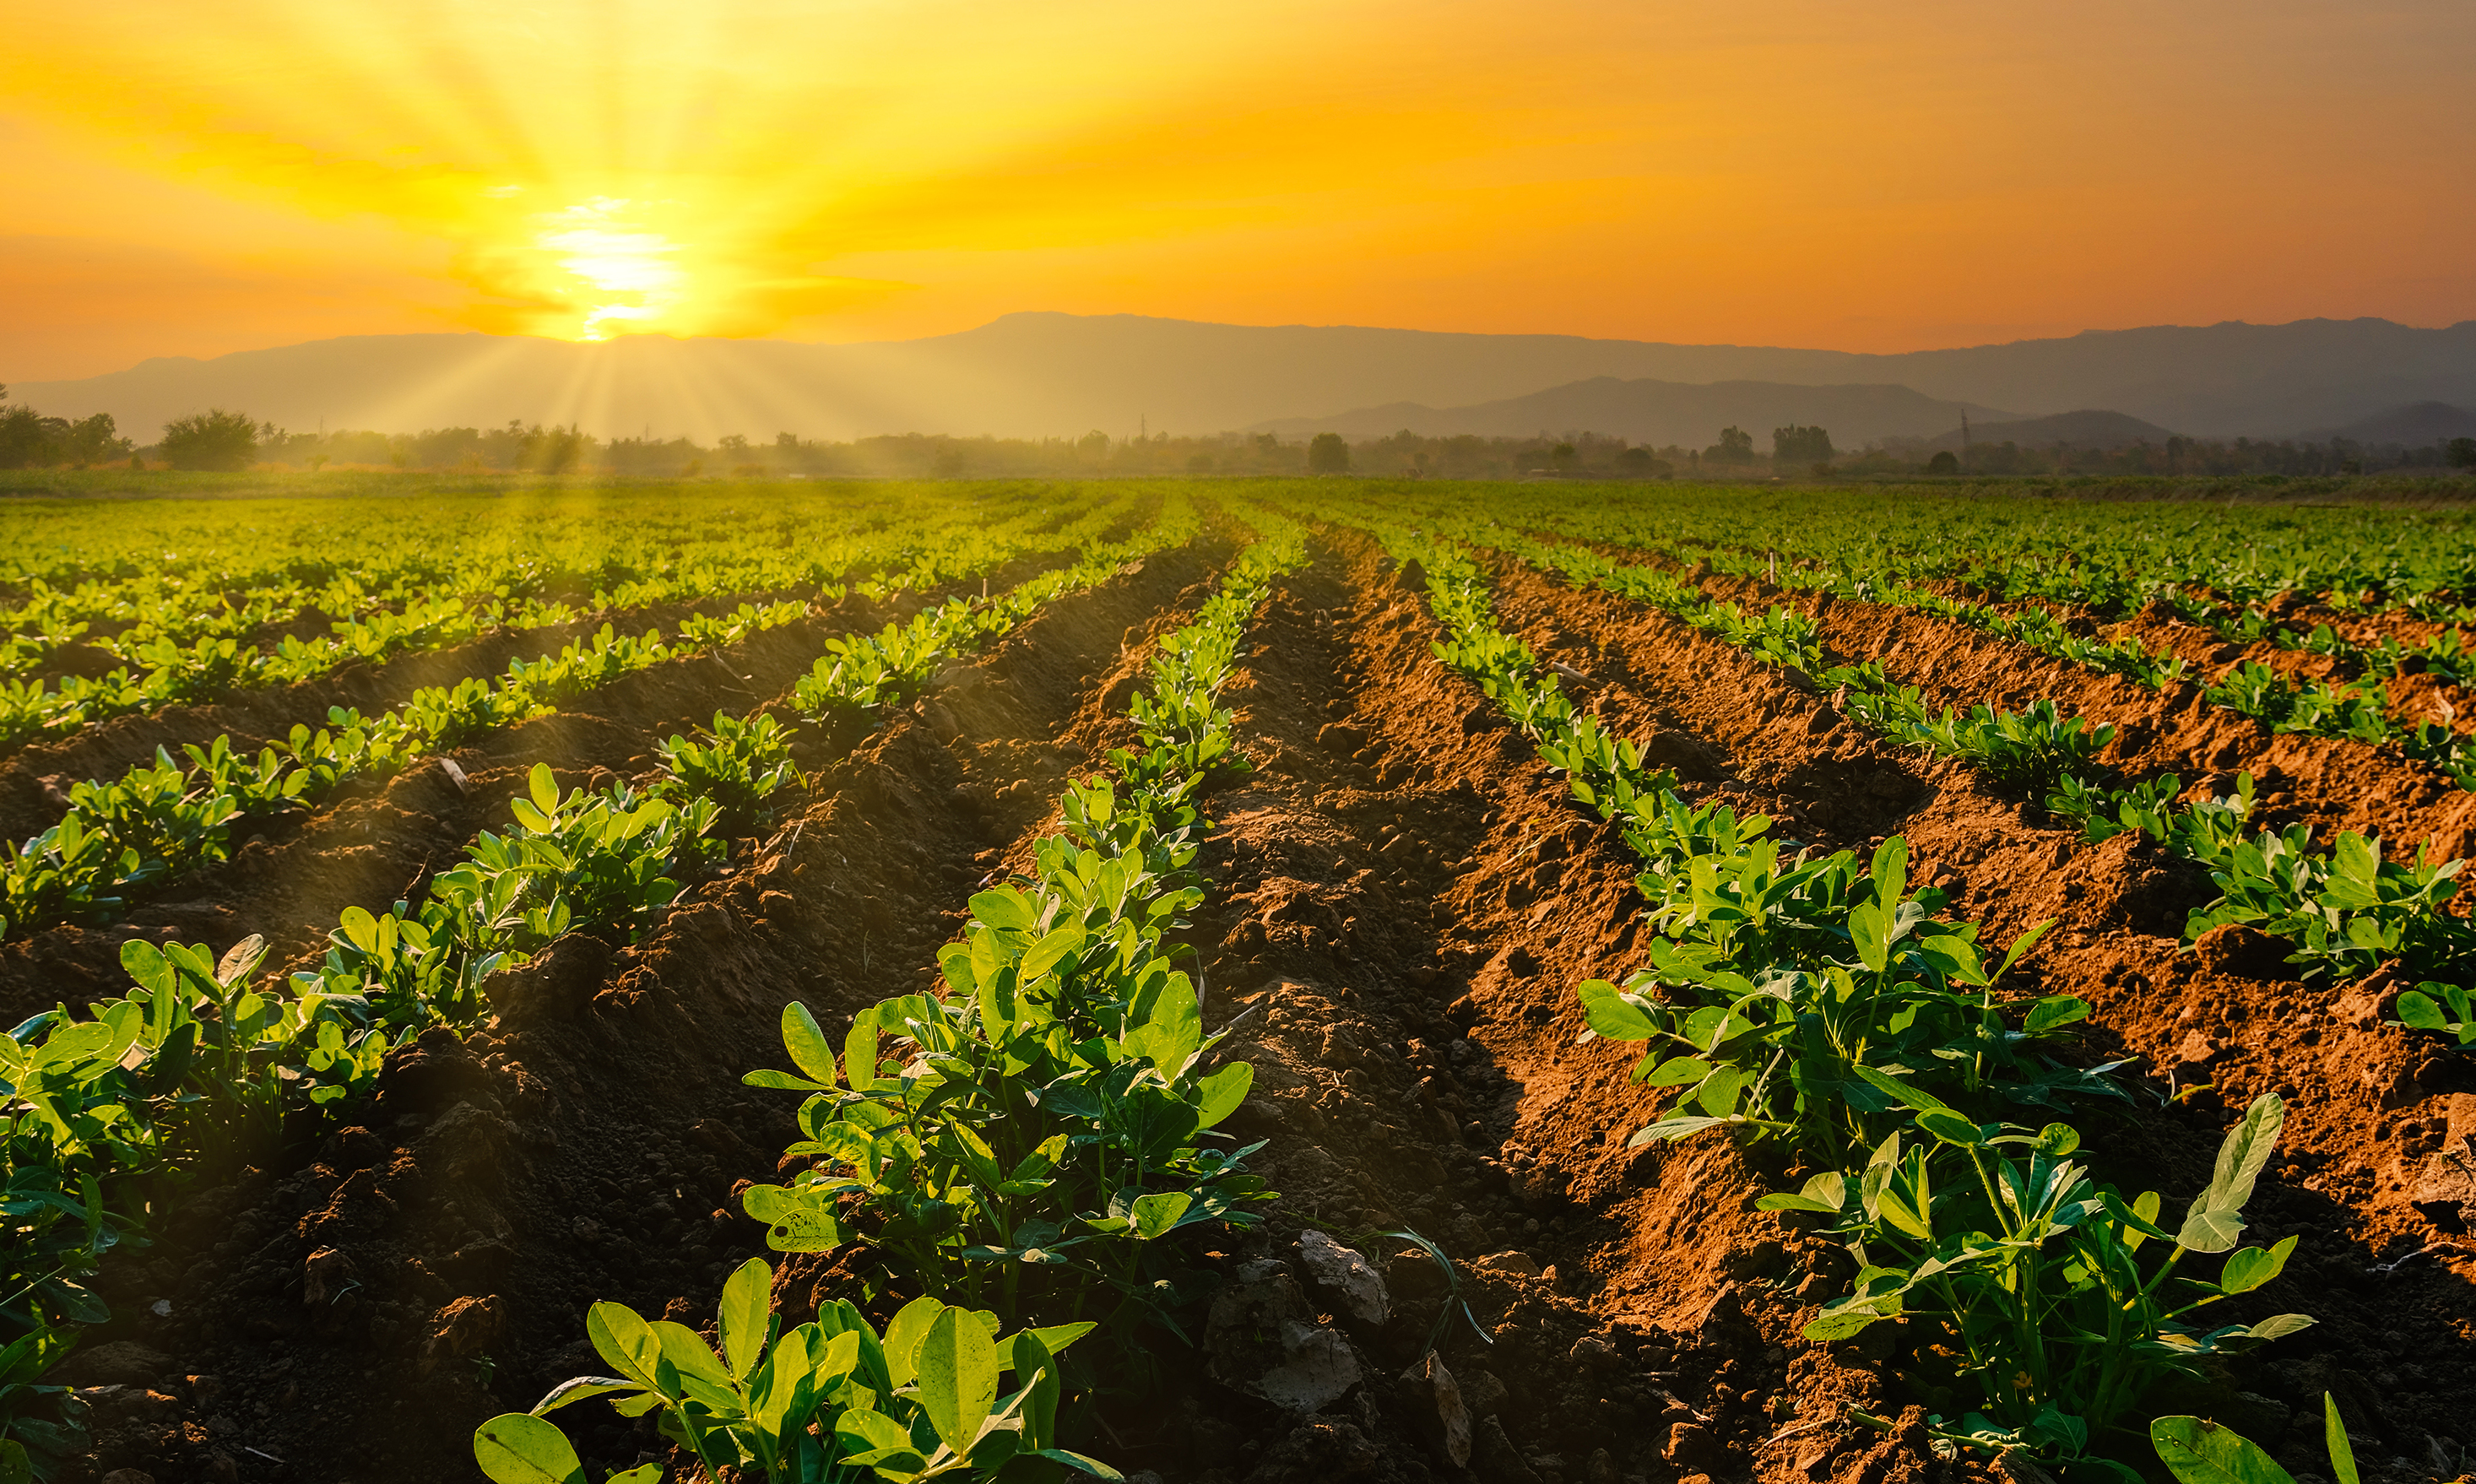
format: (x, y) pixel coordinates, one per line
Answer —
(1400, 901)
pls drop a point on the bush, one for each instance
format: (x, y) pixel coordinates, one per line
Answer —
(1945, 462)
(212, 439)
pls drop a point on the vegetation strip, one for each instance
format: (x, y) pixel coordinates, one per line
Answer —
(1029, 1141)
(1823, 1003)
(2345, 912)
(186, 636)
(172, 1072)
(157, 823)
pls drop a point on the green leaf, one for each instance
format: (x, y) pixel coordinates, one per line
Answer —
(2252, 1267)
(1156, 1214)
(517, 1448)
(868, 1437)
(621, 1336)
(1003, 908)
(1839, 1324)
(2055, 1010)
(2216, 1221)
(2421, 1011)
(2333, 1432)
(1611, 1015)
(958, 1377)
(795, 1221)
(1870, 929)
(544, 788)
(1045, 953)
(806, 1040)
(2203, 1452)
(903, 1336)
(1675, 1071)
(1911, 1097)
(859, 1051)
(747, 1316)
(1891, 874)
(1219, 1094)
(1952, 1127)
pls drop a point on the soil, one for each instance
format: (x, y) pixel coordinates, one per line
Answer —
(1400, 898)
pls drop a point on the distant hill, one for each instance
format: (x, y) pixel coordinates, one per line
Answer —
(1059, 375)
(2421, 424)
(2087, 429)
(1656, 413)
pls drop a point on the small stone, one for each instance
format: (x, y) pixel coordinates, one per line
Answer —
(1518, 1264)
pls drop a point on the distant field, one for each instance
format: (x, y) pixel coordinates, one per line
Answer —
(1585, 904)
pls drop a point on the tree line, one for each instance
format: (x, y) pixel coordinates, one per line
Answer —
(220, 439)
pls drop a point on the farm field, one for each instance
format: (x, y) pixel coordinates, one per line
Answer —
(1252, 980)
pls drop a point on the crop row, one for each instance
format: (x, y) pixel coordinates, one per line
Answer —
(1826, 557)
(162, 1084)
(177, 637)
(1023, 1148)
(157, 823)
(2346, 911)
(1819, 1002)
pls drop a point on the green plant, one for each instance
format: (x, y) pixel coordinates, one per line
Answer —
(823, 1402)
(2032, 1276)
(739, 766)
(1046, 1124)
(2200, 1451)
(2449, 1010)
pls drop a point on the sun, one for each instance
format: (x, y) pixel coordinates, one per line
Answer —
(622, 273)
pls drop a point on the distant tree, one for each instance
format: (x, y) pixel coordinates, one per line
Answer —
(1802, 445)
(1328, 453)
(1094, 445)
(30, 439)
(93, 441)
(2462, 453)
(212, 439)
(1642, 464)
(1945, 462)
(1735, 446)
(1564, 458)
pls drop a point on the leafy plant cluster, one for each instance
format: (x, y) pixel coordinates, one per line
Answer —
(180, 643)
(1814, 1001)
(159, 822)
(823, 1402)
(2345, 912)
(168, 1077)
(1033, 1139)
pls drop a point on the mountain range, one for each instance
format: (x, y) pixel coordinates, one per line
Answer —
(1058, 375)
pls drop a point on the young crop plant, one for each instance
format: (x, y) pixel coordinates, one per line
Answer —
(1773, 993)
(739, 766)
(2047, 1309)
(2200, 1451)
(831, 1402)
(1037, 1138)
(2445, 1009)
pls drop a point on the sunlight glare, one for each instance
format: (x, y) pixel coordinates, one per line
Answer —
(629, 273)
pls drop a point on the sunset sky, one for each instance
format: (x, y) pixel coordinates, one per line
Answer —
(191, 178)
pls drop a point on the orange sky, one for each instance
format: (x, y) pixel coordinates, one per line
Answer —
(192, 178)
